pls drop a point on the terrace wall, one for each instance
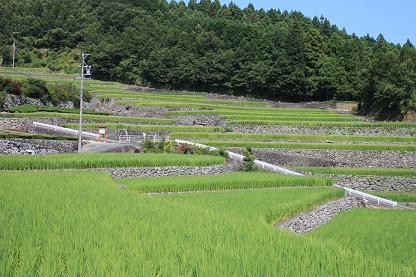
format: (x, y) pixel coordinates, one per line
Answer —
(166, 171)
(40, 146)
(356, 131)
(312, 219)
(331, 157)
(376, 183)
(12, 100)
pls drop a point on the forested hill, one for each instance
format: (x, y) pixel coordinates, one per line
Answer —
(207, 46)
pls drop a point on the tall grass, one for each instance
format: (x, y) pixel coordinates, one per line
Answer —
(80, 224)
(225, 181)
(103, 160)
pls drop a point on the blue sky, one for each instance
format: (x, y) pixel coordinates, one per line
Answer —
(395, 19)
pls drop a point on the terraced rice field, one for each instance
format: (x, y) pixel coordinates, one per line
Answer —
(72, 222)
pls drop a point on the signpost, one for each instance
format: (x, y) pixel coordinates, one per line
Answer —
(102, 134)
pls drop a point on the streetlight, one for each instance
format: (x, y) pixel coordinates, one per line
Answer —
(81, 95)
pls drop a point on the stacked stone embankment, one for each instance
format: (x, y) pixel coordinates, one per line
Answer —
(324, 130)
(39, 146)
(166, 171)
(312, 219)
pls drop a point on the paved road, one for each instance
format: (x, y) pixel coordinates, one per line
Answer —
(101, 147)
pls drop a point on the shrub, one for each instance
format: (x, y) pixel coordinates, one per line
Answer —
(248, 162)
(2, 99)
(10, 86)
(182, 147)
(35, 88)
(148, 145)
(167, 147)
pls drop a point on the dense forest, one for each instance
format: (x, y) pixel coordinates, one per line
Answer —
(206, 46)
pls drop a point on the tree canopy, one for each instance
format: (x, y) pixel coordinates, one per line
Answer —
(204, 45)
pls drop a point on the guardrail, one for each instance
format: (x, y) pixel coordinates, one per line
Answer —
(240, 158)
(368, 197)
(64, 130)
(128, 138)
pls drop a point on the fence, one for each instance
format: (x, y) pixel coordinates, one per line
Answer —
(368, 197)
(136, 138)
(240, 158)
(64, 130)
(128, 138)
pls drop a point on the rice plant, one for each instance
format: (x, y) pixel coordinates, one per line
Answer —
(383, 234)
(80, 223)
(296, 118)
(324, 124)
(360, 171)
(306, 137)
(193, 128)
(315, 145)
(225, 181)
(405, 197)
(88, 116)
(103, 160)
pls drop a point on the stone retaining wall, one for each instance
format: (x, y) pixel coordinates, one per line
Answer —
(376, 183)
(12, 100)
(356, 131)
(329, 157)
(312, 219)
(166, 171)
(40, 146)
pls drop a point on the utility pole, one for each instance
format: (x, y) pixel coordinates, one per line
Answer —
(14, 50)
(81, 103)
